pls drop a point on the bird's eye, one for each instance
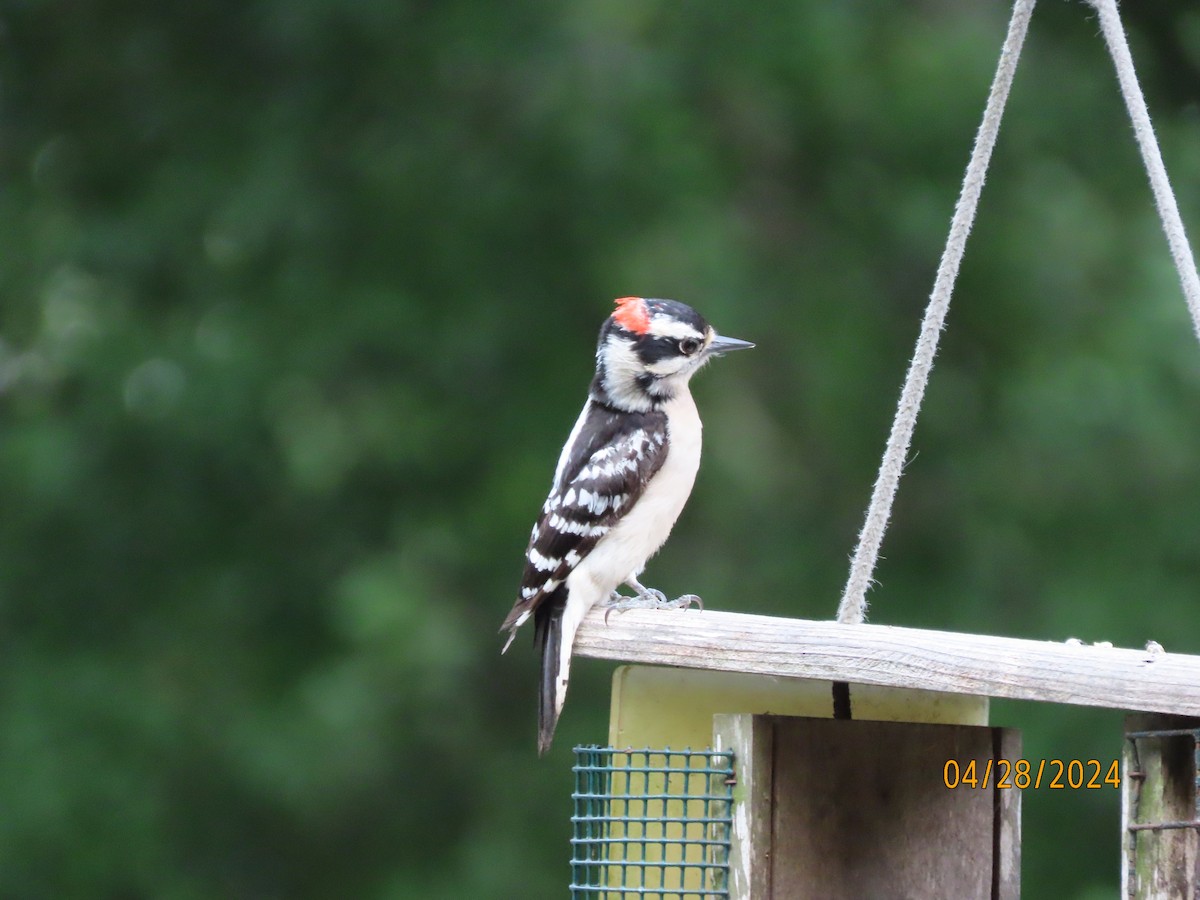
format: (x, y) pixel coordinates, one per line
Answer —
(688, 346)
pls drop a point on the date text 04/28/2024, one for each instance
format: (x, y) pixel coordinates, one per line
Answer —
(1054, 774)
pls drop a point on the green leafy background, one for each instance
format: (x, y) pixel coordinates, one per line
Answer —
(297, 304)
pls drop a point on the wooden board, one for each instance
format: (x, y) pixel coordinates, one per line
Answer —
(1160, 788)
(898, 657)
(840, 810)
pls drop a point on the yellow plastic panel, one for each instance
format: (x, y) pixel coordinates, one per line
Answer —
(654, 706)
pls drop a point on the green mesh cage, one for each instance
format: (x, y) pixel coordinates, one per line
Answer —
(651, 823)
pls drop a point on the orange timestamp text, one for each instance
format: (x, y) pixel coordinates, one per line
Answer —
(1054, 774)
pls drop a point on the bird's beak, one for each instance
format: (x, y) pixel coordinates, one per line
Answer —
(721, 345)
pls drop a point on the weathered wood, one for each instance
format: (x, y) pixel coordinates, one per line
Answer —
(749, 737)
(838, 810)
(1159, 789)
(1008, 821)
(898, 657)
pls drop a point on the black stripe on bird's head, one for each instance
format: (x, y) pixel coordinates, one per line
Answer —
(649, 349)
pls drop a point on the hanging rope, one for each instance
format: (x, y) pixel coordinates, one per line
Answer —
(853, 607)
(1164, 197)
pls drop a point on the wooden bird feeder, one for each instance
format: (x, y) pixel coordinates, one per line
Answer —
(862, 808)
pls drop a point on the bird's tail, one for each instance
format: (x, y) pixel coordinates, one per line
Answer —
(550, 634)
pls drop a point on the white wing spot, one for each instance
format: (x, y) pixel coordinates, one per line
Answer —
(542, 563)
(570, 526)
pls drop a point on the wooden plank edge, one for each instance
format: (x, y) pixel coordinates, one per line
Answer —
(892, 656)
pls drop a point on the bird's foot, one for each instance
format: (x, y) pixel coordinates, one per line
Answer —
(649, 598)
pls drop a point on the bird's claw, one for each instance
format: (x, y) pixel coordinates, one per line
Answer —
(650, 599)
(689, 600)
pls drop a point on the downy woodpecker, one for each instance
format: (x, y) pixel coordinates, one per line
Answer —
(622, 480)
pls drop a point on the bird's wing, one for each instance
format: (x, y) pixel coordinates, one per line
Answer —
(601, 477)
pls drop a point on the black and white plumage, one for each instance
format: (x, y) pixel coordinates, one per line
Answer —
(622, 480)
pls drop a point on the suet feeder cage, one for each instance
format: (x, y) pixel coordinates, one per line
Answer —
(651, 823)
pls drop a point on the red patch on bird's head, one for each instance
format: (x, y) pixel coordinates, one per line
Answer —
(632, 314)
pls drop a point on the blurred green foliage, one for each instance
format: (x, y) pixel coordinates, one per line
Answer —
(298, 303)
